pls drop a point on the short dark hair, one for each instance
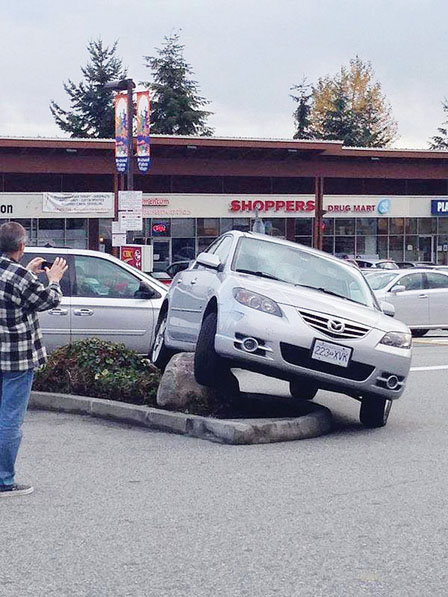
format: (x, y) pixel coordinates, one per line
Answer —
(12, 235)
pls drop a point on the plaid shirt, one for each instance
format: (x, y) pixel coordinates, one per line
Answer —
(21, 296)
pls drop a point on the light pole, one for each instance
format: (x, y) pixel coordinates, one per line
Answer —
(127, 85)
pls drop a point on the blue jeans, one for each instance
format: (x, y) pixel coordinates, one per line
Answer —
(14, 396)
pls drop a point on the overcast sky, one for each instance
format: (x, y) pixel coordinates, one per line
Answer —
(246, 54)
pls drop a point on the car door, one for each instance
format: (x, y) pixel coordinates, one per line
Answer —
(437, 290)
(207, 280)
(104, 304)
(412, 304)
(185, 312)
(54, 323)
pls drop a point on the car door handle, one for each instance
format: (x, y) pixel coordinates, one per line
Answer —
(422, 296)
(83, 312)
(193, 281)
(179, 280)
(59, 312)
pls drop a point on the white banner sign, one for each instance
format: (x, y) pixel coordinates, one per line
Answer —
(130, 201)
(119, 239)
(78, 202)
(130, 221)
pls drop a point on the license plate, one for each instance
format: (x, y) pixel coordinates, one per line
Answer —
(331, 353)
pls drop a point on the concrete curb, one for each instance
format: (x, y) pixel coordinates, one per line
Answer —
(226, 431)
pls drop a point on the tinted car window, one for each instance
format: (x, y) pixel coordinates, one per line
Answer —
(437, 281)
(64, 283)
(223, 248)
(96, 277)
(411, 282)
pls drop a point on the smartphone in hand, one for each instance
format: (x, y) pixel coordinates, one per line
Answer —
(45, 264)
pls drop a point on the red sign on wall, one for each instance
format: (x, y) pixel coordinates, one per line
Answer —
(132, 254)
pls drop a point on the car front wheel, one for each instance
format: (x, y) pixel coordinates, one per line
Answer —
(374, 411)
(160, 354)
(209, 368)
(302, 389)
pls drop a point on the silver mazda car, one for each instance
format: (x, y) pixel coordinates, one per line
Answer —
(275, 307)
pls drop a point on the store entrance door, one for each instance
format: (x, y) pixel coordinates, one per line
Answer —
(426, 248)
(161, 252)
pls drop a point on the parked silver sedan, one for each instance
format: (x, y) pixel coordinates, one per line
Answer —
(268, 305)
(420, 296)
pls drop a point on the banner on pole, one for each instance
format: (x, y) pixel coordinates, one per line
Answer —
(121, 132)
(143, 130)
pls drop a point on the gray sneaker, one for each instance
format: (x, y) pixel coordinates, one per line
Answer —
(16, 489)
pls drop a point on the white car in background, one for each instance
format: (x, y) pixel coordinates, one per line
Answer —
(275, 307)
(420, 296)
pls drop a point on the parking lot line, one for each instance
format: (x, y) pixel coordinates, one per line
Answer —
(432, 368)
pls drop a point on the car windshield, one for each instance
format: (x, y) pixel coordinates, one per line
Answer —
(299, 267)
(379, 280)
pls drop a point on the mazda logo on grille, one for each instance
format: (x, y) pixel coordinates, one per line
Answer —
(335, 325)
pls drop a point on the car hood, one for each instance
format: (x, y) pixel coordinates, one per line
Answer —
(314, 300)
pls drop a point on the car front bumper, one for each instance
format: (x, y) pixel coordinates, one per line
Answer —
(285, 346)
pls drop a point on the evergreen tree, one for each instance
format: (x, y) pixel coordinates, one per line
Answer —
(176, 103)
(350, 107)
(440, 141)
(302, 112)
(92, 106)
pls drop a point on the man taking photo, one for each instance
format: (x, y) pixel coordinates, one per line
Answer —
(21, 347)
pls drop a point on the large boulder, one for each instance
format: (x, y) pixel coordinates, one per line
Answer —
(178, 389)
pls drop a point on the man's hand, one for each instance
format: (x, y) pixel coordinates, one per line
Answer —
(35, 265)
(57, 270)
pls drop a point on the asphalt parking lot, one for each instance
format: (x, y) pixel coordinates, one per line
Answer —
(124, 511)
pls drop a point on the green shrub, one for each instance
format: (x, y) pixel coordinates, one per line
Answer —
(99, 369)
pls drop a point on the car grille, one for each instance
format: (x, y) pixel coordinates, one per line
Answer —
(321, 322)
(296, 355)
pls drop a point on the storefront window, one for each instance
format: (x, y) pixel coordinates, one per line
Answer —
(50, 232)
(328, 244)
(443, 225)
(411, 225)
(396, 247)
(208, 226)
(442, 249)
(411, 248)
(182, 227)
(396, 226)
(304, 226)
(161, 254)
(366, 226)
(275, 227)
(161, 228)
(329, 226)
(305, 240)
(183, 249)
(426, 225)
(344, 245)
(344, 227)
(204, 243)
(366, 246)
(383, 225)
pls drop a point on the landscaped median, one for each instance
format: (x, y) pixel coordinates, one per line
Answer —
(246, 419)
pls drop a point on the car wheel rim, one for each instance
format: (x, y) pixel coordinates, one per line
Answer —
(158, 342)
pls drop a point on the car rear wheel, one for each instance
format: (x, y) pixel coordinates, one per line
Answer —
(374, 411)
(303, 389)
(160, 354)
(209, 367)
(419, 333)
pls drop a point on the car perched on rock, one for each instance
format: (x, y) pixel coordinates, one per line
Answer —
(271, 306)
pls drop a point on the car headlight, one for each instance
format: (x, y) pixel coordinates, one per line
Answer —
(397, 339)
(256, 301)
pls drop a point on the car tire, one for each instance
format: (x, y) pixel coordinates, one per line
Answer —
(303, 389)
(209, 367)
(160, 354)
(419, 333)
(374, 411)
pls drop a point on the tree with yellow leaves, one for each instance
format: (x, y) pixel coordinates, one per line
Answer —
(349, 107)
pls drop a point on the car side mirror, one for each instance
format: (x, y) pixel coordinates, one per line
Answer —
(145, 292)
(387, 309)
(397, 289)
(208, 260)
